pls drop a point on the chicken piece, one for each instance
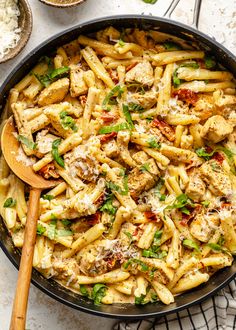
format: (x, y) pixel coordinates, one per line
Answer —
(147, 100)
(111, 148)
(66, 268)
(216, 129)
(225, 104)
(204, 107)
(142, 73)
(77, 84)
(140, 181)
(203, 226)
(214, 175)
(196, 187)
(82, 164)
(55, 92)
(140, 157)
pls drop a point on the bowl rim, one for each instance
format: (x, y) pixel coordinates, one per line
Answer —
(73, 4)
(152, 20)
(26, 33)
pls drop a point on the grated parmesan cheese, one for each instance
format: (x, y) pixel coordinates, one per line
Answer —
(9, 30)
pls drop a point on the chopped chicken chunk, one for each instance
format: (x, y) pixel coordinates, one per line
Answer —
(216, 129)
(55, 92)
(77, 84)
(214, 175)
(196, 187)
(140, 181)
(147, 100)
(140, 157)
(203, 226)
(142, 73)
(111, 148)
(66, 268)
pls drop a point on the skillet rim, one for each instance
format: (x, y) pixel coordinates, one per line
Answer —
(15, 259)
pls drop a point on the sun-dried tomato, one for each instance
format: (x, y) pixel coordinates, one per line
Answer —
(107, 137)
(100, 200)
(93, 219)
(186, 95)
(49, 171)
(165, 129)
(218, 157)
(150, 216)
(108, 117)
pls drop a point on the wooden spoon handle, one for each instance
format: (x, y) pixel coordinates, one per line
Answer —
(18, 317)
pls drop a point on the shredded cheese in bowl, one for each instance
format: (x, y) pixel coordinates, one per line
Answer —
(9, 29)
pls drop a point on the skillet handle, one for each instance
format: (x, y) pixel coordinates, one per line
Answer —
(196, 11)
(19, 310)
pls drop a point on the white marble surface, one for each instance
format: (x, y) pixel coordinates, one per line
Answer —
(218, 18)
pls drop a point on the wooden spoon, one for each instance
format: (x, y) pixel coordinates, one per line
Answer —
(10, 148)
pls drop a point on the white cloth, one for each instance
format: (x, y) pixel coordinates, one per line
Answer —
(217, 313)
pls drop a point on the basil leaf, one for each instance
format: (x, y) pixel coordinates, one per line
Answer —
(210, 62)
(55, 153)
(98, 292)
(9, 202)
(201, 152)
(67, 121)
(115, 92)
(56, 73)
(176, 80)
(30, 144)
(40, 229)
(157, 255)
(215, 247)
(141, 300)
(83, 290)
(191, 244)
(121, 43)
(193, 65)
(145, 168)
(170, 45)
(157, 237)
(127, 115)
(144, 267)
(206, 203)
(108, 206)
(153, 143)
(52, 230)
(48, 197)
(114, 128)
(43, 79)
(66, 222)
(135, 107)
(152, 2)
(180, 203)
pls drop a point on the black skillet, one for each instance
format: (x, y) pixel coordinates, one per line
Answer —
(50, 287)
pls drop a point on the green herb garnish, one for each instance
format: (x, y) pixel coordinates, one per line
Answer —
(40, 229)
(67, 121)
(52, 75)
(191, 244)
(153, 143)
(83, 290)
(48, 197)
(52, 229)
(9, 202)
(63, 232)
(170, 45)
(114, 128)
(131, 261)
(127, 115)
(30, 144)
(98, 292)
(55, 153)
(180, 203)
(145, 167)
(108, 206)
(135, 107)
(110, 98)
(141, 300)
(210, 62)
(66, 222)
(206, 203)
